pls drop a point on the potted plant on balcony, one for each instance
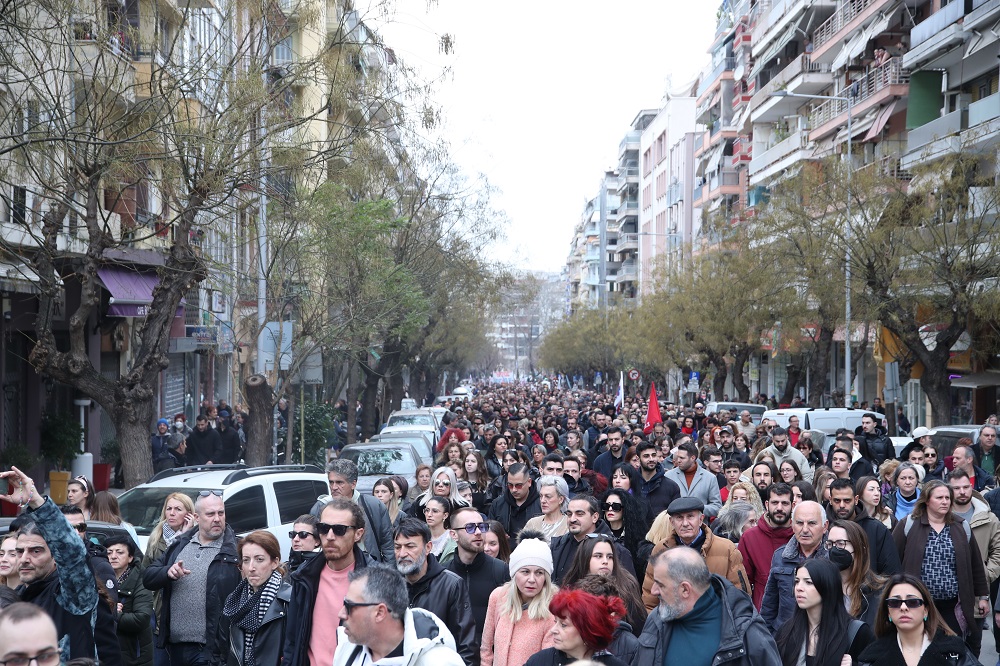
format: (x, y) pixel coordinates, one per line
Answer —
(60, 444)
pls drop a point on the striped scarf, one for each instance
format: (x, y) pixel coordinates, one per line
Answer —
(246, 609)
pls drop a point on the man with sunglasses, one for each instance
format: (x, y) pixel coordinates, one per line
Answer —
(342, 475)
(197, 572)
(583, 520)
(319, 585)
(519, 501)
(482, 574)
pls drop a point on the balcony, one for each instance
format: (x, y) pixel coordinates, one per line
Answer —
(628, 242)
(740, 96)
(797, 67)
(105, 64)
(877, 86)
(984, 110)
(627, 176)
(845, 20)
(675, 193)
(938, 37)
(950, 125)
(630, 142)
(628, 207)
(743, 36)
(937, 22)
(629, 271)
(697, 193)
(790, 145)
(742, 151)
(724, 65)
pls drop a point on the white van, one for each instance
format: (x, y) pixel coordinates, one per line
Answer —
(828, 419)
(736, 408)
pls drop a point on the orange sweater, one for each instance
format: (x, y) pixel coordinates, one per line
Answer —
(509, 644)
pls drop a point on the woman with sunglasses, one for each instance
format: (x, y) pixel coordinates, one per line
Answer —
(910, 631)
(807, 448)
(933, 464)
(444, 484)
(553, 497)
(820, 632)
(305, 542)
(939, 547)
(597, 555)
(80, 493)
(584, 627)
(628, 521)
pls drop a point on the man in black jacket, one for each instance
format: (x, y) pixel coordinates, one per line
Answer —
(230, 446)
(583, 519)
(434, 588)
(681, 581)
(519, 501)
(311, 626)
(845, 505)
(342, 474)
(53, 567)
(873, 441)
(197, 573)
(482, 574)
(656, 489)
(203, 444)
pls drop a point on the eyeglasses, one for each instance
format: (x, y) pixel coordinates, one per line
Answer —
(516, 486)
(896, 602)
(472, 527)
(338, 530)
(80, 527)
(351, 605)
(841, 543)
(442, 483)
(207, 493)
(303, 534)
(49, 658)
(613, 506)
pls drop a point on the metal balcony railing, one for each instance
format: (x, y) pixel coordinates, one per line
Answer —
(891, 73)
(844, 15)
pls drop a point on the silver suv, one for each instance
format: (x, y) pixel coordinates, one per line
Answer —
(257, 498)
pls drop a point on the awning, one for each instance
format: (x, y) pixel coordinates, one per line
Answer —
(131, 291)
(880, 120)
(858, 125)
(931, 180)
(987, 37)
(713, 161)
(775, 48)
(19, 278)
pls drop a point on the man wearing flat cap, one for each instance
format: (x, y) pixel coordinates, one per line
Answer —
(688, 529)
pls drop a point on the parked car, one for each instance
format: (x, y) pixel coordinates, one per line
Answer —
(408, 403)
(95, 530)
(422, 441)
(412, 417)
(377, 460)
(945, 437)
(827, 419)
(736, 408)
(257, 498)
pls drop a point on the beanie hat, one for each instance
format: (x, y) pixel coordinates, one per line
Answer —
(164, 422)
(531, 553)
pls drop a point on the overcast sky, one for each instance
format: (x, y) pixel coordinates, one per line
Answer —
(540, 95)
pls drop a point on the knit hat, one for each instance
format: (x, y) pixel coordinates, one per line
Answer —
(164, 422)
(531, 553)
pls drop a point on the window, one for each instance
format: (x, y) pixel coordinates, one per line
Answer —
(247, 511)
(297, 497)
(19, 206)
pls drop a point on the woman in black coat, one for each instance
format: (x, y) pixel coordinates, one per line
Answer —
(584, 627)
(135, 603)
(257, 608)
(906, 618)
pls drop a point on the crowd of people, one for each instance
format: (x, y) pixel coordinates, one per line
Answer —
(554, 527)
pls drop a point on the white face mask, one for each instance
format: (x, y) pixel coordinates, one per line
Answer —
(178, 424)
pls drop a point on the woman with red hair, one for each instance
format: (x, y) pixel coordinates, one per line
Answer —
(451, 434)
(584, 627)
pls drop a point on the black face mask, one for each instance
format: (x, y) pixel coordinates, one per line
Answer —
(843, 558)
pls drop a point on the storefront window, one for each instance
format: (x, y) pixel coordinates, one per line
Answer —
(961, 405)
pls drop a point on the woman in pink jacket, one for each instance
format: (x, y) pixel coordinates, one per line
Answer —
(518, 621)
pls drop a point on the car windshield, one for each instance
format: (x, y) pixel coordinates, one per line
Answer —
(141, 507)
(411, 420)
(377, 461)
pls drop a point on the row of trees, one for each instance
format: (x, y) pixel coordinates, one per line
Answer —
(924, 260)
(210, 136)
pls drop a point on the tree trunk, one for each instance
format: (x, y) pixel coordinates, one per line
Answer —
(721, 372)
(396, 393)
(740, 359)
(936, 386)
(353, 389)
(819, 366)
(792, 379)
(369, 405)
(260, 423)
(132, 429)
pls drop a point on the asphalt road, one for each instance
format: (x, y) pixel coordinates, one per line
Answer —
(988, 655)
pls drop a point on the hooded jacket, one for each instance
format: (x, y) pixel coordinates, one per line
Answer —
(445, 594)
(743, 640)
(426, 642)
(757, 546)
(720, 554)
(68, 594)
(659, 491)
(881, 548)
(779, 599)
(305, 586)
(483, 575)
(223, 577)
(505, 510)
(792, 454)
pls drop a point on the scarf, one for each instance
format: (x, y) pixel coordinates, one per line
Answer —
(168, 533)
(904, 507)
(246, 609)
(124, 576)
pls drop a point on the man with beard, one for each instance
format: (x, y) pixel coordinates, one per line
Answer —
(758, 544)
(702, 619)
(762, 475)
(694, 481)
(583, 518)
(782, 449)
(615, 454)
(434, 588)
(655, 488)
(482, 574)
(845, 505)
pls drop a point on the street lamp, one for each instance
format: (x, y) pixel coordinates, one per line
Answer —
(849, 98)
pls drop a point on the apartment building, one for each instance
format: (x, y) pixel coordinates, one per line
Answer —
(624, 284)
(666, 183)
(592, 263)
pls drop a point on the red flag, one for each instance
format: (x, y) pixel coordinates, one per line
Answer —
(652, 412)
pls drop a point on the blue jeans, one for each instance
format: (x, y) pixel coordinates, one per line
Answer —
(188, 654)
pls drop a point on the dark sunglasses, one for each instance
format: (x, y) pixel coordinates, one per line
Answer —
(442, 483)
(80, 527)
(206, 493)
(516, 486)
(893, 602)
(351, 605)
(482, 527)
(302, 534)
(613, 506)
(338, 530)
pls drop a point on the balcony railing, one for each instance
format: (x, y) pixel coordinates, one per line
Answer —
(946, 125)
(891, 73)
(886, 166)
(725, 64)
(984, 110)
(793, 69)
(844, 15)
(697, 192)
(675, 193)
(782, 149)
(631, 137)
(725, 179)
(937, 22)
